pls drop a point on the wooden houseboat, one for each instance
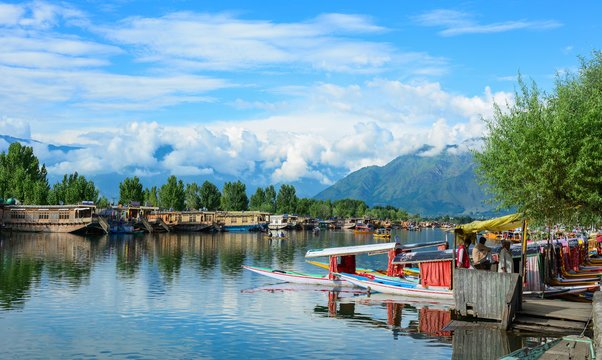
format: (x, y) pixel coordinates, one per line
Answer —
(284, 221)
(49, 218)
(190, 221)
(242, 220)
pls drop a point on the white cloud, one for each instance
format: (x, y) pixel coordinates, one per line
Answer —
(15, 127)
(459, 23)
(10, 14)
(373, 123)
(223, 42)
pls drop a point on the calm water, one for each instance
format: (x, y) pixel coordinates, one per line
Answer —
(185, 296)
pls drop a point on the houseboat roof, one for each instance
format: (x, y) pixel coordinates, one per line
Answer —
(351, 250)
(48, 207)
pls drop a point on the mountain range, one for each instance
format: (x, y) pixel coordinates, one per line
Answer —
(444, 184)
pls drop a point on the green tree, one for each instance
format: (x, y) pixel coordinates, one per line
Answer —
(21, 176)
(270, 200)
(304, 205)
(321, 210)
(210, 196)
(193, 196)
(286, 201)
(234, 196)
(151, 196)
(542, 154)
(103, 203)
(257, 200)
(171, 194)
(130, 190)
(73, 189)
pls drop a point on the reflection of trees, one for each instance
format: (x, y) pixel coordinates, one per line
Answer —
(25, 256)
(129, 253)
(169, 256)
(232, 252)
(16, 278)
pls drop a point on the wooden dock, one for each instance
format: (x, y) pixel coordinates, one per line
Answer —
(553, 316)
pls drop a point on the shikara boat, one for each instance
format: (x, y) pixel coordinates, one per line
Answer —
(341, 259)
(298, 278)
(399, 287)
(382, 233)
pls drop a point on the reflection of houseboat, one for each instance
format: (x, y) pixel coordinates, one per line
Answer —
(48, 218)
(279, 222)
(242, 220)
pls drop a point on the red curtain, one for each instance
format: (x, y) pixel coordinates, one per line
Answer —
(333, 267)
(432, 321)
(436, 273)
(347, 264)
(394, 270)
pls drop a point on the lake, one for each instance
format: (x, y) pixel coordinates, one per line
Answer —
(185, 295)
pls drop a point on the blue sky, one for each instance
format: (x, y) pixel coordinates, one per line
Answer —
(271, 91)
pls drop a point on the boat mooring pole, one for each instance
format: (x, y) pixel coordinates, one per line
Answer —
(453, 264)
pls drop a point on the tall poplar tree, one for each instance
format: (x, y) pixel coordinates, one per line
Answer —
(542, 154)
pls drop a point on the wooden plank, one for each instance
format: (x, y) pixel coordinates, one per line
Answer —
(546, 322)
(559, 303)
(557, 310)
(538, 330)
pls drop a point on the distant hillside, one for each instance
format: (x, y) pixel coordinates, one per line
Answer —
(437, 185)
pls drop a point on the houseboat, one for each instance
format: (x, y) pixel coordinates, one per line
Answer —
(186, 221)
(49, 218)
(280, 222)
(350, 223)
(242, 220)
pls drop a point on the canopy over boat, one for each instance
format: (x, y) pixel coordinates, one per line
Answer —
(430, 256)
(502, 223)
(351, 250)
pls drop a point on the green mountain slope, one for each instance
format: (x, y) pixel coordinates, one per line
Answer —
(437, 185)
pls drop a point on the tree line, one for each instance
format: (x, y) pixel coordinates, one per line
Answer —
(23, 178)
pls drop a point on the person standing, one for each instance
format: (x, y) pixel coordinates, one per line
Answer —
(463, 261)
(506, 263)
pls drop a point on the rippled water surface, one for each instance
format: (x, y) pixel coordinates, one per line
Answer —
(183, 296)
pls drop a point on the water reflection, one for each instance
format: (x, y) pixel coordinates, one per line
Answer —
(179, 295)
(424, 320)
(24, 258)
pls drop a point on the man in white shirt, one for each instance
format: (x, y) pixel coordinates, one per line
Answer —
(506, 264)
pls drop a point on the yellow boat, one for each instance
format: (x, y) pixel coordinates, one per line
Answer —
(382, 233)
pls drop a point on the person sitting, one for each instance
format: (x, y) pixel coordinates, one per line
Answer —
(506, 263)
(462, 260)
(480, 255)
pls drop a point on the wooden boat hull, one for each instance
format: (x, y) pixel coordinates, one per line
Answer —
(297, 278)
(404, 288)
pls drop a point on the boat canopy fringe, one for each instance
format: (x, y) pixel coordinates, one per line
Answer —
(502, 223)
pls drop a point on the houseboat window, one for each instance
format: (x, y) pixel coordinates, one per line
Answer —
(17, 215)
(234, 220)
(244, 219)
(63, 215)
(43, 216)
